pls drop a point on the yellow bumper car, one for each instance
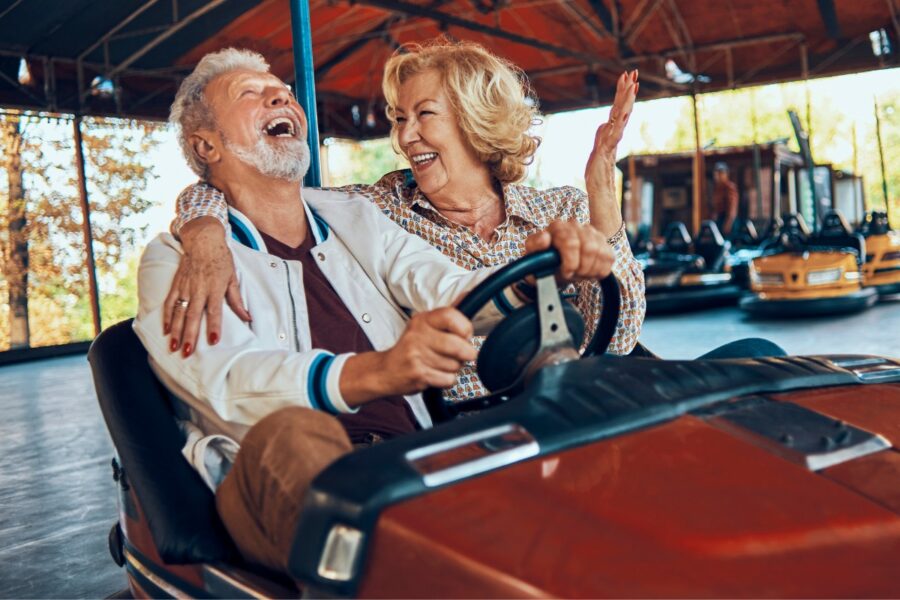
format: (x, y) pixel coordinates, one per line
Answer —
(810, 275)
(882, 267)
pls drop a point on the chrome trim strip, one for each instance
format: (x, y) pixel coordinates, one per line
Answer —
(878, 375)
(476, 466)
(849, 363)
(817, 462)
(481, 465)
(230, 580)
(162, 584)
(424, 451)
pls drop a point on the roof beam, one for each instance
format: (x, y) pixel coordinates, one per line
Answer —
(21, 88)
(894, 18)
(175, 28)
(639, 19)
(576, 10)
(606, 17)
(352, 47)
(10, 8)
(771, 59)
(829, 17)
(118, 27)
(838, 54)
(449, 20)
(728, 44)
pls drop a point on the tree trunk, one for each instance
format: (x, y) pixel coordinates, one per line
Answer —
(16, 267)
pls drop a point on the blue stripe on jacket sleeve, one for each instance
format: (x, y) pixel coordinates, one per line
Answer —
(317, 383)
(311, 393)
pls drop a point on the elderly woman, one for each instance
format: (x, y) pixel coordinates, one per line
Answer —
(461, 117)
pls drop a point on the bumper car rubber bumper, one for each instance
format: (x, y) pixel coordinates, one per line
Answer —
(685, 298)
(857, 301)
(887, 289)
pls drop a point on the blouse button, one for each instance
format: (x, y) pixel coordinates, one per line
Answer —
(282, 336)
(273, 264)
(366, 318)
(320, 256)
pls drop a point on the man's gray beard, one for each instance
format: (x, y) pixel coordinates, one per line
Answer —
(288, 160)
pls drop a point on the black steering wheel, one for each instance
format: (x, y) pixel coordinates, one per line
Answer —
(546, 331)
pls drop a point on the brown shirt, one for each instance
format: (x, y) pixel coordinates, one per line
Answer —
(333, 328)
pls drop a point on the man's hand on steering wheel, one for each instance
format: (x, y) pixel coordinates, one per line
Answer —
(584, 252)
(205, 277)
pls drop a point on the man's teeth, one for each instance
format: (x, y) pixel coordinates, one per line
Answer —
(280, 127)
(421, 158)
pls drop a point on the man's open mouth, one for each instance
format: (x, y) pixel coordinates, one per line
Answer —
(280, 127)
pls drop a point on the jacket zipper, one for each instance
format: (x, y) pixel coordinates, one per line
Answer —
(287, 272)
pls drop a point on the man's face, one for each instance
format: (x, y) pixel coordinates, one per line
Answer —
(260, 123)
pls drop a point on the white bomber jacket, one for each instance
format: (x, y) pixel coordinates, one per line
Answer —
(381, 272)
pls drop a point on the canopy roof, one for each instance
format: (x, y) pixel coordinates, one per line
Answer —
(572, 50)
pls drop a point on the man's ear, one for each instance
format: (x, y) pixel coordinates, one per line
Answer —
(206, 146)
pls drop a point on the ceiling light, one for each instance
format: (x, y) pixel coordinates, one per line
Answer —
(102, 86)
(24, 72)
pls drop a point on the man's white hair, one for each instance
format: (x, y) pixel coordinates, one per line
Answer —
(190, 110)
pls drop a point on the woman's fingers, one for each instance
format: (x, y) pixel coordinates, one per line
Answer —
(233, 297)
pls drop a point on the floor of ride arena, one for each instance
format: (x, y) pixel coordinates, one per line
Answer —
(56, 485)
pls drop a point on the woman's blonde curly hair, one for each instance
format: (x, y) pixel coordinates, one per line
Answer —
(491, 97)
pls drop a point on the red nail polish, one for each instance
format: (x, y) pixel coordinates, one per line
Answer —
(173, 345)
(186, 351)
(213, 339)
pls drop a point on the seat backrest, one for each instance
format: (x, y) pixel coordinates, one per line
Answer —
(743, 233)
(711, 245)
(875, 223)
(677, 239)
(836, 233)
(179, 508)
(795, 232)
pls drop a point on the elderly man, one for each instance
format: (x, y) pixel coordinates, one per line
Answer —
(331, 359)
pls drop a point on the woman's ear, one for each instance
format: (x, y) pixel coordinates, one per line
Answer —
(205, 147)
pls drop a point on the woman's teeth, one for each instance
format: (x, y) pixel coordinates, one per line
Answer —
(422, 159)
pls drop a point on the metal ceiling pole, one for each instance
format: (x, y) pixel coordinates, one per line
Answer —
(884, 188)
(305, 82)
(86, 224)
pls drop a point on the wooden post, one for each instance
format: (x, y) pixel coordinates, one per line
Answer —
(86, 224)
(699, 172)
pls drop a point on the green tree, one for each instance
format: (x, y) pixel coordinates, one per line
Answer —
(359, 162)
(56, 279)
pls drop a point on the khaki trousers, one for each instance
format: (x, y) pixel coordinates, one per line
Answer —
(261, 498)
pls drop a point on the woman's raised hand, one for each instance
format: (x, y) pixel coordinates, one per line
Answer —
(609, 134)
(599, 174)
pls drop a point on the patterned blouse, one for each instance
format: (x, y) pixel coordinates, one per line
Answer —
(527, 211)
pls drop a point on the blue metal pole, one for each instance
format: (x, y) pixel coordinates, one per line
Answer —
(305, 84)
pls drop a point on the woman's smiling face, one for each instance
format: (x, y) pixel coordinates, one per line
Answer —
(430, 137)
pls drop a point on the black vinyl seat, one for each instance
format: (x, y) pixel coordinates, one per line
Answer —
(875, 223)
(677, 239)
(836, 233)
(795, 233)
(711, 246)
(179, 508)
(743, 234)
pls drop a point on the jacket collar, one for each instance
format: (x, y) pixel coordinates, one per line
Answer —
(244, 232)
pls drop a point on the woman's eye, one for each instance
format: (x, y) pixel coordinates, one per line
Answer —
(400, 119)
(426, 112)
